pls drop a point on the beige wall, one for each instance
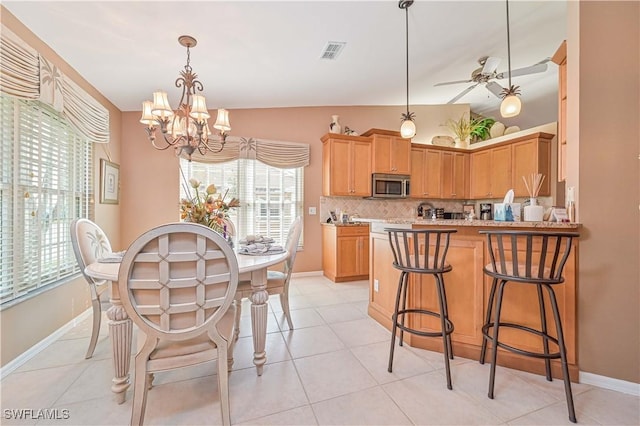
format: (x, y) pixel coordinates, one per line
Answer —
(25, 324)
(604, 111)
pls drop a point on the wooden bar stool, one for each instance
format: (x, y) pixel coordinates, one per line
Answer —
(421, 252)
(527, 258)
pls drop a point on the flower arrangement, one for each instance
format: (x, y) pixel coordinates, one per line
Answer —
(208, 207)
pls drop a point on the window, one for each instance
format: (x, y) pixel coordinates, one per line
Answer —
(270, 198)
(45, 183)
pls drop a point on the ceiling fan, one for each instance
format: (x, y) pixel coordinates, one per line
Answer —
(487, 73)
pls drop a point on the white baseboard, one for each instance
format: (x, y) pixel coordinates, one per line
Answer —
(609, 383)
(41, 345)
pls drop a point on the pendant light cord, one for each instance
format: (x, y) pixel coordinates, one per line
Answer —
(508, 45)
(406, 10)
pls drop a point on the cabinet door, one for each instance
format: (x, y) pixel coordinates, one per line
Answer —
(481, 174)
(530, 157)
(347, 252)
(432, 183)
(363, 256)
(360, 167)
(500, 171)
(339, 167)
(417, 173)
(382, 147)
(401, 156)
(460, 175)
(383, 280)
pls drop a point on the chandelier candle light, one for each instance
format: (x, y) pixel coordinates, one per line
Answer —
(533, 212)
(186, 129)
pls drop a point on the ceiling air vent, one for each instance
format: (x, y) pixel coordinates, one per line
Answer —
(332, 50)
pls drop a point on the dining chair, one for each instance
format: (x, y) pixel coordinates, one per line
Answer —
(277, 281)
(90, 243)
(177, 282)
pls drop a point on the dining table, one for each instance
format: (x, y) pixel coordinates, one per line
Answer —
(251, 268)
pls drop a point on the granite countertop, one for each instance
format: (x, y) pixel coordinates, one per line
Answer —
(477, 223)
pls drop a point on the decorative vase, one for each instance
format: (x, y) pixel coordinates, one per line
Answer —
(533, 212)
(335, 126)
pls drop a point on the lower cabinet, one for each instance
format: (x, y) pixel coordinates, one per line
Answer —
(467, 290)
(345, 252)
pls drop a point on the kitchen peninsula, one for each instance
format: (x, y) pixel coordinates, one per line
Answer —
(468, 289)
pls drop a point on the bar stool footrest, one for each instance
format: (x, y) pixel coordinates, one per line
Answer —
(547, 337)
(448, 324)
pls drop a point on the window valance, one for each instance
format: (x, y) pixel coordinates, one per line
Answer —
(283, 155)
(26, 74)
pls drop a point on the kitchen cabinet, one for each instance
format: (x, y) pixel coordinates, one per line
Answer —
(346, 165)
(383, 279)
(345, 252)
(529, 156)
(455, 175)
(560, 58)
(426, 173)
(391, 153)
(491, 172)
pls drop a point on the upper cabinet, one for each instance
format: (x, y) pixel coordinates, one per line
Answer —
(391, 153)
(491, 172)
(455, 175)
(560, 58)
(346, 165)
(528, 157)
(495, 170)
(426, 173)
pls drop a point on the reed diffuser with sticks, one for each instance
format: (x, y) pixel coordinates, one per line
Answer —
(533, 212)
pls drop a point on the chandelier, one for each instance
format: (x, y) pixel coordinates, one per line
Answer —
(185, 129)
(408, 126)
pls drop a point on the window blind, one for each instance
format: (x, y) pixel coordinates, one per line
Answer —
(46, 183)
(270, 197)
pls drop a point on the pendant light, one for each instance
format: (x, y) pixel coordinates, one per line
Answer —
(408, 127)
(511, 105)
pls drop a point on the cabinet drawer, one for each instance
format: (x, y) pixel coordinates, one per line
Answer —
(344, 231)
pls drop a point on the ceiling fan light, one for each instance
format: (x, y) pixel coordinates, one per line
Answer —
(510, 106)
(408, 129)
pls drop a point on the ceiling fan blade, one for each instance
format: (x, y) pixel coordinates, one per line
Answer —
(533, 69)
(453, 82)
(490, 65)
(464, 92)
(495, 88)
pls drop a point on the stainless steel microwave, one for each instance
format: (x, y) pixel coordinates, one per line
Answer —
(389, 186)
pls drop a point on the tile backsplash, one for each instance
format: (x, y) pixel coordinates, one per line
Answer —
(380, 208)
(404, 208)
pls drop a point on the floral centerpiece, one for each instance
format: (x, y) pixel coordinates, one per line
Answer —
(208, 207)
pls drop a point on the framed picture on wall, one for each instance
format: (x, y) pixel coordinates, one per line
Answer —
(109, 182)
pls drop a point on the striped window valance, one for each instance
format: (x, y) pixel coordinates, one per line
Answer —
(283, 155)
(25, 74)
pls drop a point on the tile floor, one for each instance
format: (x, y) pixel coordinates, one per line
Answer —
(331, 370)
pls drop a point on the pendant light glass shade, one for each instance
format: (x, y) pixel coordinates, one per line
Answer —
(408, 129)
(510, 106)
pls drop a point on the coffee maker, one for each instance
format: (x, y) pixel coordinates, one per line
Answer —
(486, 211)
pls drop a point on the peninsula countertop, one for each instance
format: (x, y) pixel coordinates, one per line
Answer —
(469, 223)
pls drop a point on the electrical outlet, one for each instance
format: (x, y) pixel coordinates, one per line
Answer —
(312, 211)
(376, 286)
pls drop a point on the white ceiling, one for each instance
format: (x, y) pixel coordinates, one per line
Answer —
(267, 54)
